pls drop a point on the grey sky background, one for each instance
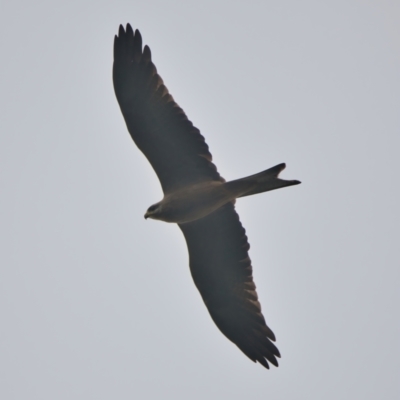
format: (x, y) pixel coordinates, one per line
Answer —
(97, 303)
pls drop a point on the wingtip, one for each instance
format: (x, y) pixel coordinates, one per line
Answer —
(147, 53)
(121, 30)
(269, 357)
(137, 33)
(263, 362)
(274, 362)
(129, 28)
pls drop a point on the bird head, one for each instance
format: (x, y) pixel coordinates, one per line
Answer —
(153, 211)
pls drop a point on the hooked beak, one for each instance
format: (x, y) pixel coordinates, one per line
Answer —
(146, 215)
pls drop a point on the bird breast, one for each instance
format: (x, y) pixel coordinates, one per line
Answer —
(194, 202)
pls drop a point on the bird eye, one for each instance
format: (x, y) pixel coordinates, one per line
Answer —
(152, 208)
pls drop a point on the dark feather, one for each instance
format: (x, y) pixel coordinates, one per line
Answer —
(221, 269)
(159, 127)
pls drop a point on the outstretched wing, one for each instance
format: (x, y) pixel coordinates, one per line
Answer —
(159, 127)
(221, 269)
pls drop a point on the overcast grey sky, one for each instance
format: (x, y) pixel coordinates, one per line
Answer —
(97, 303)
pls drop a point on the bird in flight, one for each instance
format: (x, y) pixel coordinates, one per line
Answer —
(196, 197)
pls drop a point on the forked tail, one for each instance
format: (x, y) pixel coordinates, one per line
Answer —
(263, 181)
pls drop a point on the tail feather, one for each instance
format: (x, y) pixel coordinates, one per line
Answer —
(262, 182)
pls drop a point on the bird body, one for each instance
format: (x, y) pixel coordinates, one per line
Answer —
(196, 197)
(196, 201)
(190, 203)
